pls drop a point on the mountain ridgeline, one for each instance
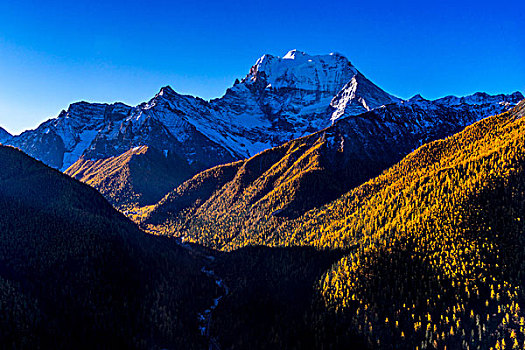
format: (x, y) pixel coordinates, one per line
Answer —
(4, 135)
(285, 182)
(280, 99)
(138, 177)
(441, 237)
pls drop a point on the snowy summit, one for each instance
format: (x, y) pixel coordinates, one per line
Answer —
(281, 98)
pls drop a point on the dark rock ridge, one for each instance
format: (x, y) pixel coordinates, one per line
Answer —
(4, 135)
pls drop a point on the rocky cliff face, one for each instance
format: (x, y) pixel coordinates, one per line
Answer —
(96, 131)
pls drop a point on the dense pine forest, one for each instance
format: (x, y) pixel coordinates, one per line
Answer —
(440, 258)
(75, 273)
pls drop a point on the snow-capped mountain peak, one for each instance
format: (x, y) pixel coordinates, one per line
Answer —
(359, 95)
(299, 70)
(166, 91)
(292, 54)
(281, 98)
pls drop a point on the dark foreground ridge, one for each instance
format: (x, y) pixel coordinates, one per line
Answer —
(75, 273)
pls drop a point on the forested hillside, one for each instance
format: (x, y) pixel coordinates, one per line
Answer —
(170, 181)
(441, 244)
(285, 182)
(138, 177)
(75, 273)
(436, 243)
(429, 254)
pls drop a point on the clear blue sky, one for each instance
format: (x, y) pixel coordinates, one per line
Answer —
(53, 53)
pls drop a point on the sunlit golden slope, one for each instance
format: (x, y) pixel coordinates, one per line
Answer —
(440, 236)
(285, 182)
(138, 177)
(278, 184)
(441, 259)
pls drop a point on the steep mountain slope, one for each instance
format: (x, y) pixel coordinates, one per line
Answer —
(441, 237)
(75, 273)
(402, 124)
(280, 99)
(359, 95)
(271, 303)
(98, 131)
(4, 135)
(285, 98)
(138, 177)
(284, 182)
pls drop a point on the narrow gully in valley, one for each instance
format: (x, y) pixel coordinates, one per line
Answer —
(205, 318)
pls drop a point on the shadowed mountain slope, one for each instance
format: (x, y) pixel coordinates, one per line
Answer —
(4, 135)
(74, 272)
(439, 242)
